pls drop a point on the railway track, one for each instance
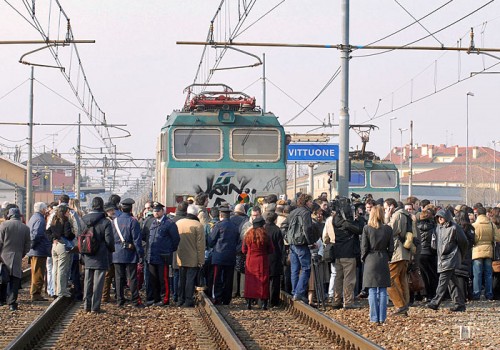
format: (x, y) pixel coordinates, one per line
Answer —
(296, 325)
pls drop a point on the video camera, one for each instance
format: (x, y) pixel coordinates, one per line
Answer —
(342, 206)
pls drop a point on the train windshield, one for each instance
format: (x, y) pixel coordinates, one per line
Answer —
(254, 144)
(358, 178)
(194, 144)
(384, 178)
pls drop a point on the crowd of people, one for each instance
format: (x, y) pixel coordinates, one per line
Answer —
(332, 252)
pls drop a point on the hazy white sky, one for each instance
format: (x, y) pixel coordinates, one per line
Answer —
(137, 72)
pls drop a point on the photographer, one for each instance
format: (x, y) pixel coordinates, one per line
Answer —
(348, 226)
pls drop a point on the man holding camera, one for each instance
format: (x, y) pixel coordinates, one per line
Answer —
(347, 226)
(128, 252)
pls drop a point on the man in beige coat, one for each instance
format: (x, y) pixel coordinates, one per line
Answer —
(485, 236)
(190, 254)
(15, 242)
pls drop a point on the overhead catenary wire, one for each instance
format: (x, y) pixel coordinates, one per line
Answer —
(14, 89)
(422, 38)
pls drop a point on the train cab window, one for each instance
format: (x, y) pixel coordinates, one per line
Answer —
(255, 144)
(358, 178)
(384, 178)
(197, 144)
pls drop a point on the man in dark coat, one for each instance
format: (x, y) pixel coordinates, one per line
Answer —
(224, 239)
(40, 249)
(275, 259)
(97, 264)
(128, 252)
(451, 244)
(163, 240)
(14, 245)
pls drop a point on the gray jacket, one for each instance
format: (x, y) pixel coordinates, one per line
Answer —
(15, 243)
(450, 242)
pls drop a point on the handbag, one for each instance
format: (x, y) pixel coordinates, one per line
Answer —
(240, 263)
(328, 253)
(415, 280)
(68, 245)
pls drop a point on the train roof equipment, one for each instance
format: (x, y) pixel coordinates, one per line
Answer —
(223, 98)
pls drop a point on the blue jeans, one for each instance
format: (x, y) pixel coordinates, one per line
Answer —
(377, 298)
(300, 261)
(478, 266)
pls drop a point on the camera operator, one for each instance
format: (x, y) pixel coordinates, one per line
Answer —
(348, 226)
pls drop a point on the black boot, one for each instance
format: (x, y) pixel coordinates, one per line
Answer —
(264, 304)
(249, 304)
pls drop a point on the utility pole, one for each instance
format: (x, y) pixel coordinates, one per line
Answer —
(410, 161)
(29, 170)
(263, 83)
(343, 184)
(78, 160)
(311, 179)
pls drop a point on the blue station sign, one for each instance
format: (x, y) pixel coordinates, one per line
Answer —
(312, 153)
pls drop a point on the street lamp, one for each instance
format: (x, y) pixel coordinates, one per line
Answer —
(390, 137)
(467, 151)
(401, 130)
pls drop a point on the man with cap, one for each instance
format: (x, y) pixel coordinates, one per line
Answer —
(128, 252)
(163, 240)
(15, 243)
(224, 239)
(40, 249)
(450, 242)
(97, 264)
(109, 209)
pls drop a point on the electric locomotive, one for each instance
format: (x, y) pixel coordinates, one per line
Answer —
(222, 144)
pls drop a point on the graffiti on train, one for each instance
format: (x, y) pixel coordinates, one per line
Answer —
(227, 184)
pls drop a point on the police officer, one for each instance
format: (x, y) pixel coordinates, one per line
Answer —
(162, 242)
(128, 252)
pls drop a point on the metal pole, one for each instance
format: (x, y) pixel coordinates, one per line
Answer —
(467, 151)
(410, 161)
(29, 170)
(263, 83)
(78, 159)
(294, 179)
(343, 184)
(494, 172)
(311, 179)
(390, 137)
(401, 130)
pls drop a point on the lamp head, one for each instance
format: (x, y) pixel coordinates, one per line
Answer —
(470, 94)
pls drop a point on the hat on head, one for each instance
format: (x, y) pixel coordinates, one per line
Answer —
(193, 209)
(109, 206)
(258, 222)
(224, 208)
(240, 208)
(271, 207)
(128, 201)
(158, 206)
(14, 212)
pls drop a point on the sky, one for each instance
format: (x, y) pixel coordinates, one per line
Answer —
(137, 72)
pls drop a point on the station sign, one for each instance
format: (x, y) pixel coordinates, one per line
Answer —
(312, 152)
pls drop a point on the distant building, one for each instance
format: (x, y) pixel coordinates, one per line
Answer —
(439, 173)
(12, 182)
(52, 176)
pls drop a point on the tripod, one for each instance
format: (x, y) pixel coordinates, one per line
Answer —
(319, 283)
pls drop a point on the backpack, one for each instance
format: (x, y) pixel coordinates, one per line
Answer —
(87, 242)
(295, 235)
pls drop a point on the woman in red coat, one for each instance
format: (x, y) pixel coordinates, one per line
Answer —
(257, 246)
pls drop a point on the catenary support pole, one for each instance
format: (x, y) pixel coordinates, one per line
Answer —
(410, 161)
(29, 165)
(78, 159)
(343, 184)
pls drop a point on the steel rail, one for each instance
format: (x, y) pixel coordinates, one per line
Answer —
(30, 337)
(342, 335)
(220, 329)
